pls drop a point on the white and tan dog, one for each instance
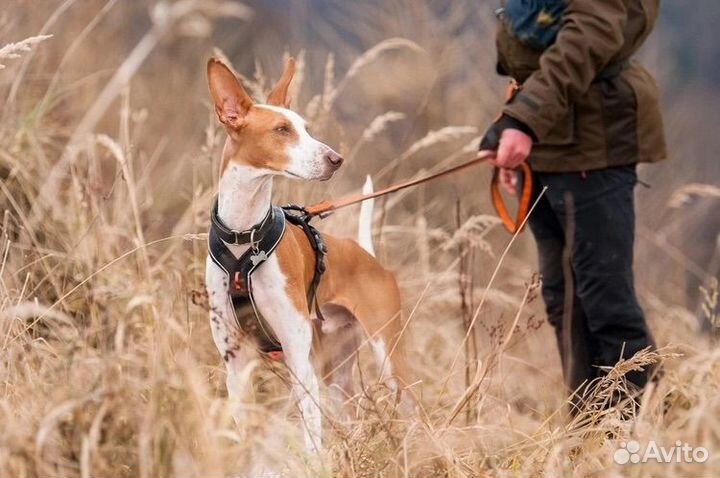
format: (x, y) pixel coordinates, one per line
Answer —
(355, 295)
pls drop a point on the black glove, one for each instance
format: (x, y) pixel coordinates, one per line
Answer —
(491, 139)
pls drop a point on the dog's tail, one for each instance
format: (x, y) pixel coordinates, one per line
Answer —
(366, 217)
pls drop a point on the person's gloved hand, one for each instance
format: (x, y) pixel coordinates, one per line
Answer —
(511, 140)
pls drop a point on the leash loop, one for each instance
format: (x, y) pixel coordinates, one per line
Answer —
(526, 187)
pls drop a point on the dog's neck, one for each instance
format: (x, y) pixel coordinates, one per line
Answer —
(244, 196)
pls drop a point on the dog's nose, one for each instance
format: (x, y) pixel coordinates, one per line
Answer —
(333, 158)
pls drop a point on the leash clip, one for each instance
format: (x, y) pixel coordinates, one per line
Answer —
(299, 211)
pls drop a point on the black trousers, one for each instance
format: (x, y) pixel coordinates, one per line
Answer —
(584, 226)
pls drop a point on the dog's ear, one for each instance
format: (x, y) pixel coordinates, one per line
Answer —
(279, 94)
(231, 100)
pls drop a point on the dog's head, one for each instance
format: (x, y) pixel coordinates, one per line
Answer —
(268, 137)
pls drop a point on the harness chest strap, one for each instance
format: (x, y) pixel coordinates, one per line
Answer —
(264, 239)
(239, 271)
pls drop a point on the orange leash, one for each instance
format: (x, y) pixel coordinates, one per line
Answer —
(324, 208)
(511, 225)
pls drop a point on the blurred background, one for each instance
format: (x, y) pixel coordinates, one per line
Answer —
(451, 81)
(109, 158)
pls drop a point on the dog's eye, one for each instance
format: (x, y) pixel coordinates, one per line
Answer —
(282, 129)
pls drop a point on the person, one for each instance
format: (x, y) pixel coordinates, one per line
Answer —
(584, 114)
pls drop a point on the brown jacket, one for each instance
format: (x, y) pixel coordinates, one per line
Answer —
(588, 103)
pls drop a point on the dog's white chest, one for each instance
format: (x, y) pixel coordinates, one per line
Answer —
(269, 289)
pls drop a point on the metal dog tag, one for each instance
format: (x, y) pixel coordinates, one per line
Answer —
(259, 257)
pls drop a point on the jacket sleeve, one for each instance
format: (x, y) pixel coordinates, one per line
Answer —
(591, 35)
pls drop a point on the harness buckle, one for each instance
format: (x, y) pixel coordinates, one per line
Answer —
(253, 244)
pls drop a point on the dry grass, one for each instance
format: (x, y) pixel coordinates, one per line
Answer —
(106, 363)
(13, 51)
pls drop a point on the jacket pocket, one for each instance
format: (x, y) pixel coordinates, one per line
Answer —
(619, 112)
(649, 125)
(564, 131)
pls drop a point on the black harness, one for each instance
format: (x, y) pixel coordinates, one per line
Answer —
(263, 238)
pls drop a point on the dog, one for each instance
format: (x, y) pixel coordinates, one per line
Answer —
(355, 295)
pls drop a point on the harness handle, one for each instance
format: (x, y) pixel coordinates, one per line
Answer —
(526, 188)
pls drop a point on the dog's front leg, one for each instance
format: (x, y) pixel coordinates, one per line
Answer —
(227, 337)
(297, 345)
(294, 331)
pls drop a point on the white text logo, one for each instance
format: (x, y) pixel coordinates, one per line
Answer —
(630, 453)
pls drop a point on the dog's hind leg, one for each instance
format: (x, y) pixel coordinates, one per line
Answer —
(393, 371)
(386, 337)
(339, 343)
